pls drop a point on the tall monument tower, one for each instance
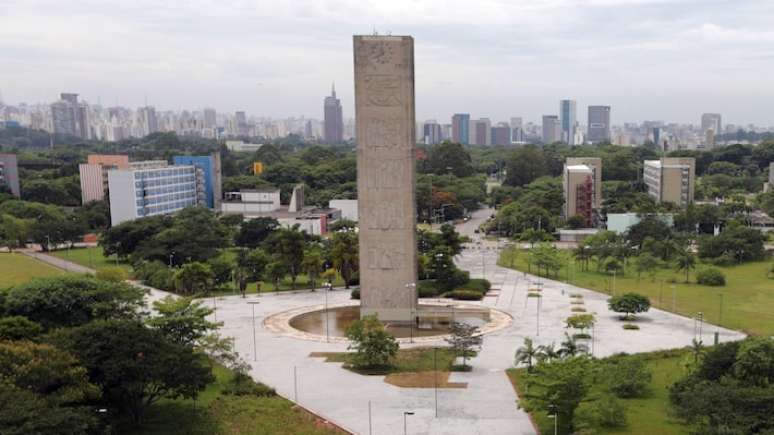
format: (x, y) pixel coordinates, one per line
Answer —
(384, 111)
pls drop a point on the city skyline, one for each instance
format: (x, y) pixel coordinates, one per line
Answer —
(640, 54)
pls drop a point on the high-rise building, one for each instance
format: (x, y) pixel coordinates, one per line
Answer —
(9, 174)
(671, 179)
(153, 189)
(69, 117)
(599, 124)
(431, 132)
(501, 134)
(147, 121)
(578, 187)
(334, 121)
(481, 131)
(595, 164)
(552, 129)
(568, 118)
(94, 175)
(711, 121)
(517, 130)
(240, 123)
(210, 118)
(461, 128)
(211, 171)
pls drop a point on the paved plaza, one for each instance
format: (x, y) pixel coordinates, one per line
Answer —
(489, 404)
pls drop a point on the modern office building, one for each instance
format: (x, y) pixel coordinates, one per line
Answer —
(333, 131)
(711, 121)
(501, 134)
(552, 129)
(431, 132)
(210, 166)
(9, 174)
(461, 128)
(568, 118)
(671, 179)
(210, 118)
(94, 175)
(150, 190)
(251, 202)
(599, 124)
(481, 131)
(517, 130)
(582, 187)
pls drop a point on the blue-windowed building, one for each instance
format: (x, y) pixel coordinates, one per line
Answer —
(210, 166)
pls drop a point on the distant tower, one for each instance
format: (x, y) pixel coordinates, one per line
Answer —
(599, 124)
(568, 119)
(334, 122)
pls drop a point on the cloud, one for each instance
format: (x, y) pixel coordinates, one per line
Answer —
(490, 58)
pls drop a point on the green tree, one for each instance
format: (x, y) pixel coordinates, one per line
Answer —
(344, 254)
(72, 300)
(559, 387)
(13, 328)
(629, 304)
(373, 345)
(287, 245)
(646, 263)
(465, 340)
(525, 164)
(581, 321)
(112, 274)
(448, 157)
(136, 366)
(686, 261)
(313, 265)
(253, 232)
(571, 347)
(276, 270)
(627, 377)
(755, 362)
(526, 354)
(182, 319)
(43, 390)
(14, 231)
(193, 278)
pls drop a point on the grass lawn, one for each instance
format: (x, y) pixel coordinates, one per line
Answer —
(218, 413)
(17, 268)
(302, 282)
(647, 415)
(747, 299)
(89, 257)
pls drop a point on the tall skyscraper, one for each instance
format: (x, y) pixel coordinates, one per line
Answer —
(599, 124)
(552, 129)
(431, 132)
(501, 134)
(333, 131)
(517, 130)
(240, 121)
(461, 128)
(147, 121)
(481, 131)
(568, 119)
(210, 118)
(711, 121)
(70, 117)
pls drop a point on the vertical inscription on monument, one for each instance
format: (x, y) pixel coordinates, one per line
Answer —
(384, 106)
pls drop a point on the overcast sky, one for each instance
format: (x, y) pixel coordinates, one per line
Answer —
(648, 59)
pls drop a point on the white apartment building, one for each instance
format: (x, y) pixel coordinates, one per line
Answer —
(149, 190)
(671, 179)
(251, 202)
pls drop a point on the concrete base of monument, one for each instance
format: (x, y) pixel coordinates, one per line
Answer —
(434, 317)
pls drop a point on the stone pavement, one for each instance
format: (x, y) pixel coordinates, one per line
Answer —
(489, 404)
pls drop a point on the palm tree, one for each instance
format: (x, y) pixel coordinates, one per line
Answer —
(697, 349)
(571, 347)
(686, 261)
(526, 353)
(548, 353)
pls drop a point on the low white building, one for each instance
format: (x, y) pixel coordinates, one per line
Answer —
(251, 202)
(348, 208)
(239, 146)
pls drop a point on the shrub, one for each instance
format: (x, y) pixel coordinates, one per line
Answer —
(155, 274)
(582, 336)
(465, 295)
(373, 346)
(628, 377)
(428, 289)
(533, 295)
(576, 296)
(609, 412)
(112, 274)
(711, 276)
(355, 294)
(243, 385)
(19, 328)
(578, 310)
(630, 326)
(723, 260)
(576, 302)
(478, 284)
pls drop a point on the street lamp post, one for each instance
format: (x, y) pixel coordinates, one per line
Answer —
(435, 378)
(255, 347)
(405, 427)
(555, 416)
(327, 286)
(701, 323)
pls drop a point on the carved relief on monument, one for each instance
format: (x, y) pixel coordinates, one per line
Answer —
(385, 216)
(383, 135)
(383, 90)
(385, 174)
(387, 257)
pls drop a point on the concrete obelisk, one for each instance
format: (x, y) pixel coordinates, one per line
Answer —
(384, 111)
